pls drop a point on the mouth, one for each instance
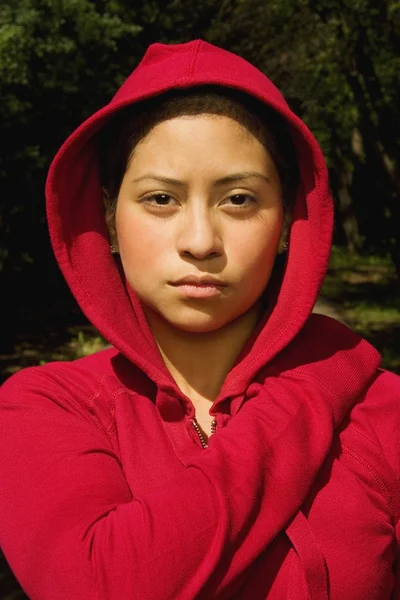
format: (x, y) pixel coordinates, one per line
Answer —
(199, 281)
(199, 287)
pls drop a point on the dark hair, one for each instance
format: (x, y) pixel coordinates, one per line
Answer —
(119, 137)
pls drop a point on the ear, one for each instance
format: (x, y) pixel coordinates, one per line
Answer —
(110, 207)
(282, 246)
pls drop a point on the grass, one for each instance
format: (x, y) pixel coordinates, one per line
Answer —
(31, 349)
(365, 292)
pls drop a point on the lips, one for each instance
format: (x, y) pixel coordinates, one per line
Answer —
(194, 287)
(199, 281)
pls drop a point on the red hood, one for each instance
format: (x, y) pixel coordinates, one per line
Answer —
(80, 239)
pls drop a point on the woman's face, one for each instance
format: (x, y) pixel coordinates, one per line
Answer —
(200, 197)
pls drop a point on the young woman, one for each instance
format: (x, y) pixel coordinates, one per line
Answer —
(230, 444)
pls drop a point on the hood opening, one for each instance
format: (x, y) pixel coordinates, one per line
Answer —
(80, 240)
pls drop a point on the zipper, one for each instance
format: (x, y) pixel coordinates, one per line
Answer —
(198, 431)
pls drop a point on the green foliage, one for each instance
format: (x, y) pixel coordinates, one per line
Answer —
(59, 39)
(59, 61)
(85, 344)
(335, 60)
(364, 290)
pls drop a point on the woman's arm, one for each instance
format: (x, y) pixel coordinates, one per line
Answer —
(70, 528)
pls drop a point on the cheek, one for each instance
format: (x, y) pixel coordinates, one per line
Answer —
(254, 251)
(139, 244)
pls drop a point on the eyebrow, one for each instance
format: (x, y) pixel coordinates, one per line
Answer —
(222, 181)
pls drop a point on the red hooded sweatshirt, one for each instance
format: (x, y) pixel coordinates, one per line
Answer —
(106, 490)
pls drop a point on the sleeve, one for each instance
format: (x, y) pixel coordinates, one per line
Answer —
(70, 528)
(396, 567)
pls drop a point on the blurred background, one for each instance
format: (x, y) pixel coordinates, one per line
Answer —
(337, 63)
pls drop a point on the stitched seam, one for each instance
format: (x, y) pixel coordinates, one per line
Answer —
(91, 406)
(383, 487)
(187, 68)
(364, 436)
(121, 390)
(193, 59)
(68, 398)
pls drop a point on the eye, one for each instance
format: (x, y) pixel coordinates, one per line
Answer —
(158, 201)
(240, 200)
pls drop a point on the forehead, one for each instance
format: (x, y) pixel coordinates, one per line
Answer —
(199, 140)
(184, 125)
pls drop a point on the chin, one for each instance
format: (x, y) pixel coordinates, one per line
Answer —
(195, 321)
(199, 325)
(191, 320)
(202, 322)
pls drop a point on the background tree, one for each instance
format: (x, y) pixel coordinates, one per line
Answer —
(58, 62)
(335, 60)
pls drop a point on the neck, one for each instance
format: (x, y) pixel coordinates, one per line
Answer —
(200, 362)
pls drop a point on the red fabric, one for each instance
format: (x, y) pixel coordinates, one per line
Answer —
(106, 492)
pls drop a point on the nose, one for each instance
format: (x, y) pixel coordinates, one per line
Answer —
(199, 234)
